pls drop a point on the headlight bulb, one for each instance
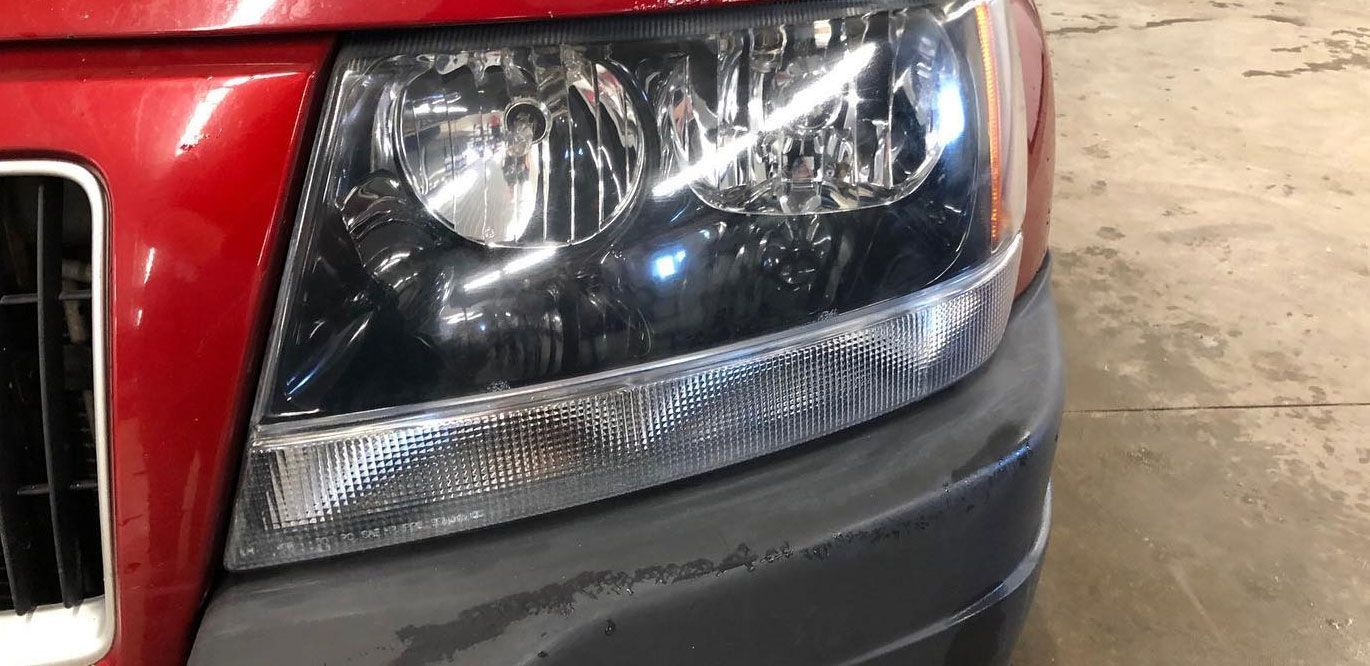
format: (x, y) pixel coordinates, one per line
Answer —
(520, 147)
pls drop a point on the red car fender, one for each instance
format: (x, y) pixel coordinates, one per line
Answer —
(197, 147)
(1041, 122)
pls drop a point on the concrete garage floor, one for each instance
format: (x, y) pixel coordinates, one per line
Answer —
(1212, 270)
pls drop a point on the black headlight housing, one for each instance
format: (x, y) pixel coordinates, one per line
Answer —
(537, 265)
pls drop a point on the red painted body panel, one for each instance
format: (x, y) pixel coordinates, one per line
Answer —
(197, 145)
(66, 19)
(1041, 123)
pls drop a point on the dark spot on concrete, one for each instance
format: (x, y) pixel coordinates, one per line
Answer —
(1175, 21)
(1288, 20)
(1288, 49)
(1336, 187)
(610, 627)
(1201, 339)
(1097, 150)
(1082, 30)
(542, 654)
(1338, 623)
(1260, 586)
(1277, 366)
(1099, 187)
(1341, 64)
(1100, 251)
(1210, 235)
(1323, 420)
(1144, 457)
(1110, 233)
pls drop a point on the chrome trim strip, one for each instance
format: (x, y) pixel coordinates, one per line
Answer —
(53, 635)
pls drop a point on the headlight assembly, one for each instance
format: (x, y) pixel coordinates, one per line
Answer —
(540, 265)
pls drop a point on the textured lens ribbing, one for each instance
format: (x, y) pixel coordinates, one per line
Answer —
(315, 489)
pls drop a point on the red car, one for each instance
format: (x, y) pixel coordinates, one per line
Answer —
(559, 331)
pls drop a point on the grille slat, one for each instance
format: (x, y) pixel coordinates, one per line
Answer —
(49, 512)
(30, 299)
(52, 327)
(16, 542)
(42, 489)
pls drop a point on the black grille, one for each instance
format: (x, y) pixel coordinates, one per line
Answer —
(49, 504)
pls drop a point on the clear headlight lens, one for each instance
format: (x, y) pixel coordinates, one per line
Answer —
(517, 147)
(542, 265)
(817, 117)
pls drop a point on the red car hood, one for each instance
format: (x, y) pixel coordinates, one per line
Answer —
(68, 19)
